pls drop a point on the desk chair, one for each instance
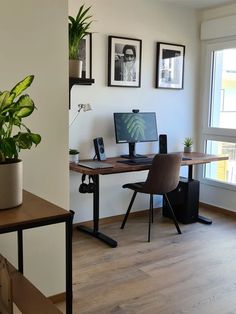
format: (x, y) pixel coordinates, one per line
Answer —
(163, 177)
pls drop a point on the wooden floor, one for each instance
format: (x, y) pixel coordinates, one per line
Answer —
(191, 273)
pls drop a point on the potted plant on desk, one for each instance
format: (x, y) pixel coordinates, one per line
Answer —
(12, 110)
(188, 144)
(74, 155)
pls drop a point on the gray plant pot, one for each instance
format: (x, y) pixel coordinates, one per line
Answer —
(11, 184)
(75, 68)
(188, 149)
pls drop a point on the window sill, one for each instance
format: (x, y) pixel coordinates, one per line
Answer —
(218, 184)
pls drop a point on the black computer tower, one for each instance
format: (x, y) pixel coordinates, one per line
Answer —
(184, 200)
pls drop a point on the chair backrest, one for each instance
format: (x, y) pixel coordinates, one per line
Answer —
(163, 176)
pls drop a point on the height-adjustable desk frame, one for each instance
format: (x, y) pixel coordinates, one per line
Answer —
(196, 159)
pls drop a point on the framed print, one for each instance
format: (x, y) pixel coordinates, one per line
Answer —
(124, 61)
(170, 66)
(85, 54)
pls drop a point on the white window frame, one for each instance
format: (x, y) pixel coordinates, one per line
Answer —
(213, 133)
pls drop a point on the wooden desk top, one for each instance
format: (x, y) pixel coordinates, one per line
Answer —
(34, 209)
(196, 159)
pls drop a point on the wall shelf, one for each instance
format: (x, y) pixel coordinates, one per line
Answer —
(79, 81)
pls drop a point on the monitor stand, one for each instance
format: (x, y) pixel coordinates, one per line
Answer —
(132, 153)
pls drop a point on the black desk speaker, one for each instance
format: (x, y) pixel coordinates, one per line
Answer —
(162, 144)
(99, 148)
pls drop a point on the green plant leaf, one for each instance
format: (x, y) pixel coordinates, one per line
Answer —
(25, 140)
(72, 20)
(6, 100)
(36, 138)
(22, 85)
(25, 106)
(188, 142)
(8, 149)
(73, 151)
(78, 29)
(11, 115)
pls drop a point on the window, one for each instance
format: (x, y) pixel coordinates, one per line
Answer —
(219, 132)
(223, 94)
(225, 170)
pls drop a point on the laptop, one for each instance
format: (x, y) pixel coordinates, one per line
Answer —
(94, 164)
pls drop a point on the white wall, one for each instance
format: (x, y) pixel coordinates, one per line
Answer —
(34, 41)
(210, 194)
(175, 109)
(218, 12)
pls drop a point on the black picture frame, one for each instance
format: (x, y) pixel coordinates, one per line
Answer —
(124, 61)
(170, 66)
(85, 54)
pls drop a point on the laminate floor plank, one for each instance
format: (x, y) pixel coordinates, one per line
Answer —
(191, 273)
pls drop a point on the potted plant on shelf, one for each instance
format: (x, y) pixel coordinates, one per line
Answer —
(78, 29)
(14, 136)
(188, 144)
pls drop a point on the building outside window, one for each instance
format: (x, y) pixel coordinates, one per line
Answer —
(219, 131)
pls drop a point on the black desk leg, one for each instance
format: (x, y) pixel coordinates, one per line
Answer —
(95, 231)
(190, 172)
(20, 250)
(201, 219)
(204, 220)
(96, 204)
(69, 283)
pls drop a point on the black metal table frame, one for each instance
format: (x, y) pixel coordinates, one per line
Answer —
(94, 232)
(201, 219)
(68, 242)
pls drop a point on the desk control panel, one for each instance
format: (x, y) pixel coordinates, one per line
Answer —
(186, 158)
(142, 161)
(94, 164)
(137, 161)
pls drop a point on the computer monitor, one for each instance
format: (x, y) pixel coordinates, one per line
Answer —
(134, 127)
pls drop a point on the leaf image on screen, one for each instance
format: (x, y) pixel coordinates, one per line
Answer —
(135, 126)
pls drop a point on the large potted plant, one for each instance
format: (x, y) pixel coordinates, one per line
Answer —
(78, 29)
(14, 136)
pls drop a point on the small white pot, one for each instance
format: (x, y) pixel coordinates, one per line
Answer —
(188, 149)
(11, 184)
(74, 158)
(75, 68)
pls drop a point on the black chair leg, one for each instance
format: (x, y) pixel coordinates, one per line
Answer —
(150, 217)
(151, 196)
(128, 210)
(172, 214)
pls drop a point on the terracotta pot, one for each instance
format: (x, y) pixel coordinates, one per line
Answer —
(75, 68)
(11, 184)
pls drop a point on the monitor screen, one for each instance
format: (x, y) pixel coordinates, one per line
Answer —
(135, 127)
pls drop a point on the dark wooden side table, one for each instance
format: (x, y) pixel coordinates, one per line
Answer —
(16, 289)
(37, 212)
